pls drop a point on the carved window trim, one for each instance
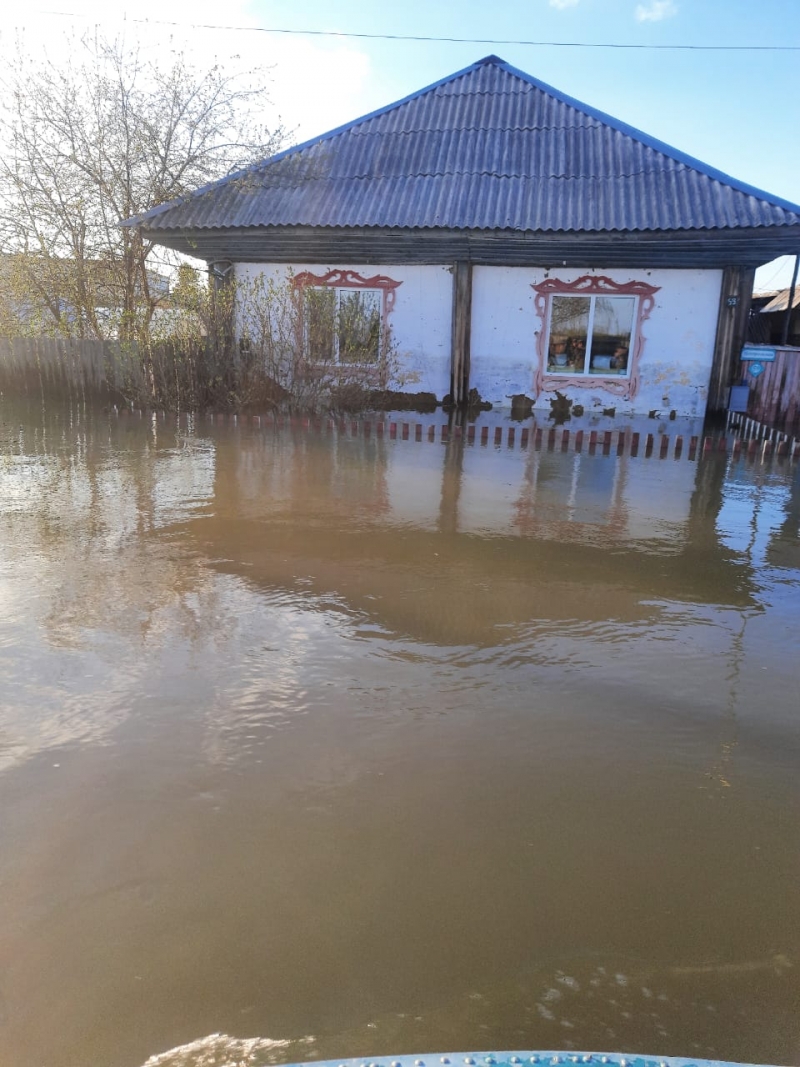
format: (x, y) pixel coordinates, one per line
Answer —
(591, 285)
(350, 279)
(343, 278)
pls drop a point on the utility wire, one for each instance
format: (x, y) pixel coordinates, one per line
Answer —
(455, 40)
(775, 274)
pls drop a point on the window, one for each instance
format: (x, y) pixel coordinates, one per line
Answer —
(591, 333)
(342, 325)
(345, 317)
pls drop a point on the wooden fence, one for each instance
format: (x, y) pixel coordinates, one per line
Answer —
(110, 371)
(67, 367)
(775, 394)
(733, 444)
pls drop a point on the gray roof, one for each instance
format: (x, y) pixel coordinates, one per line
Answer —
(488, 148)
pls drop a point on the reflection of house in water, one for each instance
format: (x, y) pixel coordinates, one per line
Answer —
(452, 544)
(783, 549)
(760, 517)
(348, 474)
(564, 497)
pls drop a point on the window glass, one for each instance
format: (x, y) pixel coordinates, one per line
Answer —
(343, 325)
(320, 308)
(359, 325)
(612, 328)
(569, 331)
(590, 334)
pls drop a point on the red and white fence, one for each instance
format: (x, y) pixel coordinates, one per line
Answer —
(540, 438)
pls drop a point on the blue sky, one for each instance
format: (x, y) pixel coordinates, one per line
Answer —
(734, 110)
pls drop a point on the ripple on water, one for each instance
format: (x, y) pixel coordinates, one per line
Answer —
(220, 1050)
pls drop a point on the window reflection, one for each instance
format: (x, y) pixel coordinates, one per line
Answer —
(611, 334)
(343, 325)
(569, 330)
(590, 334)
(359, 326)
(320, 327)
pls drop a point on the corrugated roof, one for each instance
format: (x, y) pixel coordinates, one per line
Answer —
(489, 148)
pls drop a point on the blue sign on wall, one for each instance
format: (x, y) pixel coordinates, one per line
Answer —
(759, 352)
(755, 369)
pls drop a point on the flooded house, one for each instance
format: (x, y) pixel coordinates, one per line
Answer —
(511, 241)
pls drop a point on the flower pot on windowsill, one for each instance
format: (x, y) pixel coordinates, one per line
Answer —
(558, 353)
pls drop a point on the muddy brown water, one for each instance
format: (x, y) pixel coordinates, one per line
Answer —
(337, 747)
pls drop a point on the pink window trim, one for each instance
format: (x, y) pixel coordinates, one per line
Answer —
(341, 278)
(350, 279)
(591, 285)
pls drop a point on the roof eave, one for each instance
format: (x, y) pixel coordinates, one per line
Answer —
(640, 250)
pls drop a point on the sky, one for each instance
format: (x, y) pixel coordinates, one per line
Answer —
(734, 110)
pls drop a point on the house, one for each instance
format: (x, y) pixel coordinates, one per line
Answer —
(773, 318)
(44, 294)
(514, 240)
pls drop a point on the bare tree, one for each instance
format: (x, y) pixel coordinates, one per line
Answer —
(103, 137)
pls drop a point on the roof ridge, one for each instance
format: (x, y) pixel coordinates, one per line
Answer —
(460, 129)
(483, 172)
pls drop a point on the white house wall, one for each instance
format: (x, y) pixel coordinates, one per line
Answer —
(420, 321)
(674, 366)
(676, 359)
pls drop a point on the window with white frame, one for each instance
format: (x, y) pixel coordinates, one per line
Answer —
(591, 335)
(343, 324)
(591, 332)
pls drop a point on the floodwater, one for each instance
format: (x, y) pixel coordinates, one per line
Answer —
(338, 747)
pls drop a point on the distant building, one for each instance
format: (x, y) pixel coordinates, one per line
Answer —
(515, 240)
(771, 321)
(50, 294)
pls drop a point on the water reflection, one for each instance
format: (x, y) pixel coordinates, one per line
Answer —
(403, 746)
